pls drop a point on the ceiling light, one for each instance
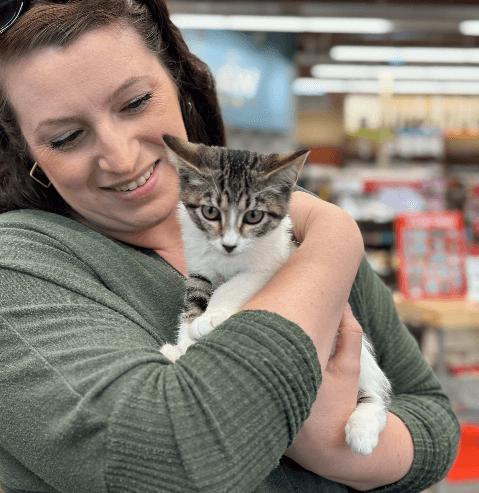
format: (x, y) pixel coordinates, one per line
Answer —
(308, 86)
(471, 28)
(392, 54)
(283, 23)
(350, 71)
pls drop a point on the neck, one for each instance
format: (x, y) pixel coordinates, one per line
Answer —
(165, 238)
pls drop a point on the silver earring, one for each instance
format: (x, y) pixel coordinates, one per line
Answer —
(36, 179)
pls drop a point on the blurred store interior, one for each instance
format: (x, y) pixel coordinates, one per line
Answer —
(385, 94)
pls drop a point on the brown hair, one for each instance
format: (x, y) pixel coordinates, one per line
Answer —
(50, 24)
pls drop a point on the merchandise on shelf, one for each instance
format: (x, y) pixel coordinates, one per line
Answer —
(432, 250)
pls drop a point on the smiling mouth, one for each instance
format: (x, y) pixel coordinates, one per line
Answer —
(137, 183)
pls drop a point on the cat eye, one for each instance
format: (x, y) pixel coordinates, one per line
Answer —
(211, 213)
(253, 217)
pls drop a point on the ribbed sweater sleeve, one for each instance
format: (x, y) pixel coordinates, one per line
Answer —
(224, 412)
(418, 398)
(88, 402)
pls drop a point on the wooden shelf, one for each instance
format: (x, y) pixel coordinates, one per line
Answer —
(440, 314)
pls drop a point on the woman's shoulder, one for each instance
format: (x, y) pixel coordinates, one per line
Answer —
(39, 240)
(34, 240)
(46, 240)
(37, 220)
(41, 227)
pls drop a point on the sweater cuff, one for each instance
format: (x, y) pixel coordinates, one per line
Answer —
(434, 449)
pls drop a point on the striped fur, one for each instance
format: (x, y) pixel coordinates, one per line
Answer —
(198, 294)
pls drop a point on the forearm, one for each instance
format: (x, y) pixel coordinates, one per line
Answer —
(312, 288)
(389, 462)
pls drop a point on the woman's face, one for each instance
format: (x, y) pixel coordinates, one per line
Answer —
(93, 114)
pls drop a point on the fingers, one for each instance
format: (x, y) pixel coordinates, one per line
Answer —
(348, 322)
(348, 345)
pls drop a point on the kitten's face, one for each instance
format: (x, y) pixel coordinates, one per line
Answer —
(234, 197)
(232, 222)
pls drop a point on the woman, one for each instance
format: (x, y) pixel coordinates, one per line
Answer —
(92, 286)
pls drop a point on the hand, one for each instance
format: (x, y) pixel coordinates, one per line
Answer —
(322, 436)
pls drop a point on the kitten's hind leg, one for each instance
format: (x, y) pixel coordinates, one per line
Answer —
(198, 294)
(370, 416)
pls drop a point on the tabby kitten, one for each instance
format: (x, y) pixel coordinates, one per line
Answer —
(237, 233)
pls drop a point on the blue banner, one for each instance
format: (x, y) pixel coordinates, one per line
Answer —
(253, 73)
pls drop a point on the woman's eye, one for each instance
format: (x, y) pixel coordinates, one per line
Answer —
(138, 102)
(211, 213)
(66, 140)
(253, 217)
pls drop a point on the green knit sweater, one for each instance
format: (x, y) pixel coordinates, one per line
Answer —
(89, 404)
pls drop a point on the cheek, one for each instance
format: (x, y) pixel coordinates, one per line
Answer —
(72, 182)
(63, 173)
(248, 231)
(217, 230)
(245, 243)
(262, 229)
(72, 178)
(166, 118)
(212, 229)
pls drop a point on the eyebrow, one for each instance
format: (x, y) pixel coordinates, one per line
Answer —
(59, 121)
(128, 83)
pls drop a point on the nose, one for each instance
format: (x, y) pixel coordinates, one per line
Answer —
(229, 248)
(118, 151)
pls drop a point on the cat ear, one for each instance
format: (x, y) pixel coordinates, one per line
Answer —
(285, 166)
(186, 155)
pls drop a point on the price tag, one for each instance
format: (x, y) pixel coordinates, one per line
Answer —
(472, 272)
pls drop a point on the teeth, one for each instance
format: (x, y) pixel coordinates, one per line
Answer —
(135, 184)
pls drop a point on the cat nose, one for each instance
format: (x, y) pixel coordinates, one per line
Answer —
(229, 248)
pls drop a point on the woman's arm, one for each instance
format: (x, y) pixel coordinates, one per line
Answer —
(312, 288)
(320, 445)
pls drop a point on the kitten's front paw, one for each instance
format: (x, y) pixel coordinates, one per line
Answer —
(172, 352)
(363, 428)
(207, 322)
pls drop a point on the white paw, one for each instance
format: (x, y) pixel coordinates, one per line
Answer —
(172, 352)
(363, 428)
(207, 322)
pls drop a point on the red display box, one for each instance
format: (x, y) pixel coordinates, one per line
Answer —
(432, 250)
(466, 466)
